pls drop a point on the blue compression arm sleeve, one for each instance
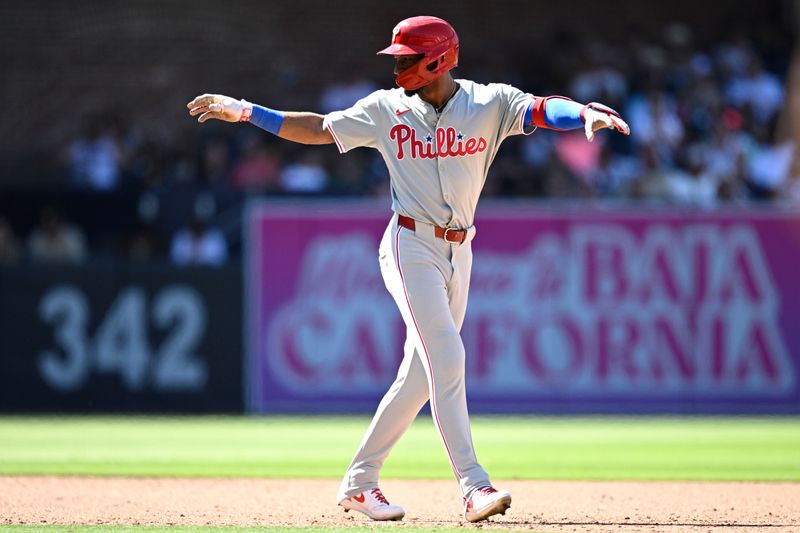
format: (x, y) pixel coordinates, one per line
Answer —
(562, 114)
(267, 119)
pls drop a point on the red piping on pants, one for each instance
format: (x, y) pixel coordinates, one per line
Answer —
(425, 349)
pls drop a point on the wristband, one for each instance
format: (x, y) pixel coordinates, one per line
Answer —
(266, 118)
(247, 111)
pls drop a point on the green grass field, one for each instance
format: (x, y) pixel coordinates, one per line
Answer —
(760, 449)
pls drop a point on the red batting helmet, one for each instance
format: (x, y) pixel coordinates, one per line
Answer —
(430, 36)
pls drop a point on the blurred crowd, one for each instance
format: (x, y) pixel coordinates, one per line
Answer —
(704, 126)
(707, 128)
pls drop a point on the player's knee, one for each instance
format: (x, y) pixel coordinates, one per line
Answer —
(449, 364)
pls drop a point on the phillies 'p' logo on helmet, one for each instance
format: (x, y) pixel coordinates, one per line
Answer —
(432, 37)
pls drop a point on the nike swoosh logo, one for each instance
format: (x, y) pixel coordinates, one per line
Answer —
(399, 112)
(359, 498)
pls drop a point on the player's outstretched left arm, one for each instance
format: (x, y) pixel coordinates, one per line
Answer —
(561, 113)
(597, 116)
(301, 127)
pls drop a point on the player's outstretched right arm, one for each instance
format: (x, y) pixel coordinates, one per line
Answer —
(301, 127)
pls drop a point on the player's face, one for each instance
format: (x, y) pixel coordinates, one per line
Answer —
(402, 63)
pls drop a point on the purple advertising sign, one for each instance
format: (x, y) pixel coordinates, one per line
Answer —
(571, 310)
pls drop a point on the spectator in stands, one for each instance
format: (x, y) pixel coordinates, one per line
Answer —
(96, 158)
(702, 112)
(147, 166)
(614, 172)
(768, 164)
(652, 177)
(199, 245)
(9, 246)
(347, 92)
(259, 168)
(56, 241)
(215, 160)
(306, 175)
(580, 158)
(143, 243)
(655, 121)
(601, 80)
(693, 186)
(757, 89)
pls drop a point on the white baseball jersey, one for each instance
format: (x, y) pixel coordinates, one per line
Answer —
(437, 161)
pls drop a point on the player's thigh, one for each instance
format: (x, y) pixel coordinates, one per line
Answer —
(458, 285)
(416, 272)
(424, 274)
(426, 298)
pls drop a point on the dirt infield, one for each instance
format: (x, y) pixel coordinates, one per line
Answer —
(538, 505)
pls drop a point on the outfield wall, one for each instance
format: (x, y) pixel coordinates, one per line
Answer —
(572, 310)
(113, 337)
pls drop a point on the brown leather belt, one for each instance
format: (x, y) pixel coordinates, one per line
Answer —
(457, 236)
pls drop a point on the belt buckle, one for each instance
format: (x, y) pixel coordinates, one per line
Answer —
(448, 240)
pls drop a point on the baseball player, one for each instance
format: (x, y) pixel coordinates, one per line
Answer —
(438, 136)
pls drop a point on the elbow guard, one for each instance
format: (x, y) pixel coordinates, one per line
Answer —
(536, 112)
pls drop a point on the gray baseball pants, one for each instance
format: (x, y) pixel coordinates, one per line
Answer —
(429, 281)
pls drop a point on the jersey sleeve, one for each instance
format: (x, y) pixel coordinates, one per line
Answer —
(515, 104)
(355, 126)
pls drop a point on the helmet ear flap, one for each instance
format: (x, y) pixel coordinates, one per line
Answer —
(434, 65)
